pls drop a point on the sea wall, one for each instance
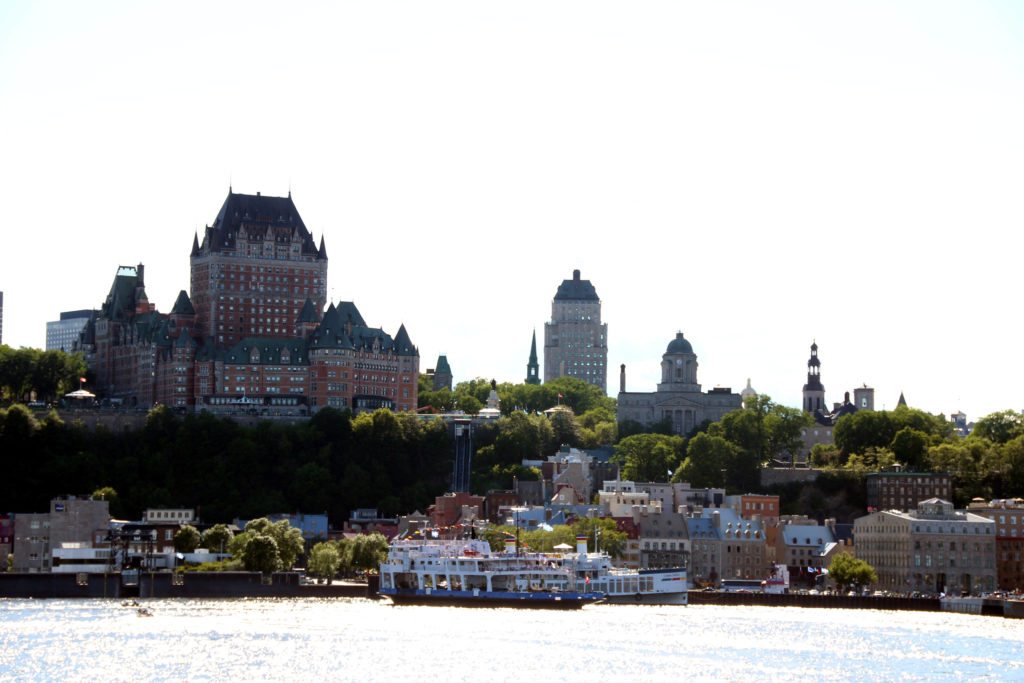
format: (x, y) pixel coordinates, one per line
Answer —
(168, 585)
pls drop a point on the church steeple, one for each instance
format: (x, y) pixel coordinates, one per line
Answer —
(533, 367)
(814, 390)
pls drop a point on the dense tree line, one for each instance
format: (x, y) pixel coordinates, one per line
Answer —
(988, 463)
(728, 453)
(49, 374)
(332, 463)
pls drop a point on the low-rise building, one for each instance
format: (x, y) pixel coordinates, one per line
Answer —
(804, 547)
(725, 546)
(932, 549)
(1008, 515)
(904, 490)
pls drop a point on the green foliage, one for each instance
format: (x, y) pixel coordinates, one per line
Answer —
(866, 429)
(217, 538)
(825, 455)
(648, 457)
(225, 468)
(368, 551)
(108, 494)
(709, 459)
(231, 565)
(50, 374)
(846, 570)
(186, 540)
(324, 560)
(260, 554)
(999, 428)
(872, 460)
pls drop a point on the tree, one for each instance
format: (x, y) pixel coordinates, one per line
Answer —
(186, 540)
(368, 551)
(648, 457)
(260, 554)
(846, 570)
(217, 538)
(108, 494)
(910, 445)
(1000, 427)
(709, 459)
(324, 560)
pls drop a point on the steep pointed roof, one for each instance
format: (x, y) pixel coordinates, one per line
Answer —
(442, 365)
(259, 214)
(350, 314)
(195, 244)
(308, 313)
(330, 333)
(185, 340)
(902, 401)
(183, 305)
(403, 345)
(323, 247)
(533, 349)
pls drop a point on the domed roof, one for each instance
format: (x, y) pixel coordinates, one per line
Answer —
(679, 345)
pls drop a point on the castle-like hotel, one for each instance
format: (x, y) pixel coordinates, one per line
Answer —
(254, 334)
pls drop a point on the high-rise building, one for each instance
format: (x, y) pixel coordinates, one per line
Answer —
(576, 341)
(254, 270)
(254, 336)
(63, 334)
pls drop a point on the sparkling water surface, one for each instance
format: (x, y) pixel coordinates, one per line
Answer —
(364, 640)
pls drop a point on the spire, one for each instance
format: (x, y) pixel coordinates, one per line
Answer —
(814, 390)
(195, 244)
(902, 401)
(533, 367)
(323, 247)
(403, 344)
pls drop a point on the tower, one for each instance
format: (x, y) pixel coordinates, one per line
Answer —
(254, 270)
(576, 341)
(814, 391)
(533, 367)
(442, 374)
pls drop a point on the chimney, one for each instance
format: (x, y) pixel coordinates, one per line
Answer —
(576, 275)
(622, 378)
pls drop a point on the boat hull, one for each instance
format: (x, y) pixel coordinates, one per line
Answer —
(681, 598)
(532, 599)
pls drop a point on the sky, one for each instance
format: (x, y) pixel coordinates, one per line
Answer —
(758, 176)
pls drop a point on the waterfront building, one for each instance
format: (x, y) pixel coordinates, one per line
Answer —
(74, 522)
(764, 508)
(253, 336)
(904, 490)
(725, 546)
(932, 549)
(678, 399)
(662, 535)
(576, 341)
(804, 547)
(1008, 516)
(63, 334)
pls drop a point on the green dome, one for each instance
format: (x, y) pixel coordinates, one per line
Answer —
(679, 345)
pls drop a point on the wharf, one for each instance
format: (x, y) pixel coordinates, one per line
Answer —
(177, 585)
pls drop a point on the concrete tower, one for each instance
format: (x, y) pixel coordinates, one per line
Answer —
(575, 341)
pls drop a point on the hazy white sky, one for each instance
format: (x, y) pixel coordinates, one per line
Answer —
(757, 175)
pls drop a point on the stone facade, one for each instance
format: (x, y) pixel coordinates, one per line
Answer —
(253, 338)
(933, 549)
(576, 341)
(678, 398)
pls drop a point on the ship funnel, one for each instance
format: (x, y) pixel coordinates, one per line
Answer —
(581, 545)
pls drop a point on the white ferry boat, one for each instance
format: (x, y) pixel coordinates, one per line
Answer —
(467, 572)
(627, 586)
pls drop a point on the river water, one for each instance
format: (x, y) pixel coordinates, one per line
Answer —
(363, 640)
